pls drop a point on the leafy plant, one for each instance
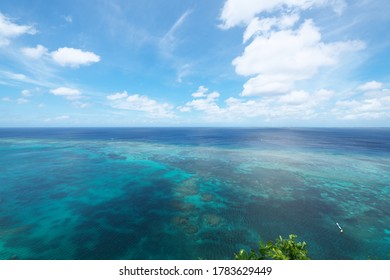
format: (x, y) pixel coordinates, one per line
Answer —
(280, 249)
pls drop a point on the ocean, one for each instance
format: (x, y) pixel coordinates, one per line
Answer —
(192, 193)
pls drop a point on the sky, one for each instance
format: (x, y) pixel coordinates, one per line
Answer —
(257, 63)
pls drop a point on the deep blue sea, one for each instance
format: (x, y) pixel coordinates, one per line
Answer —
(192, 193)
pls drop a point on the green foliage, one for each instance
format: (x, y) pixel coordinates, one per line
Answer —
(280, 249)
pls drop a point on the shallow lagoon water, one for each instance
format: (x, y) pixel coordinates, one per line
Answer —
(192, 193)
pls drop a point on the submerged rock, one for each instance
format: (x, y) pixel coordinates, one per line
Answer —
(206, 197)
(180, 220)
(182, 206)
(188, 187)
(191, 229)
(212, 219)
(184, 224)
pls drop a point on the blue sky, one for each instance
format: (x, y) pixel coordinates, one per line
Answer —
(195, 63)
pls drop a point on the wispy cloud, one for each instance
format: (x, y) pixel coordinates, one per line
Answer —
(119, 26)
(58, 118)
(183, 71)
(68, 18)
(169, 41)
(34, 53)
(22, 100)
(9, 30)
(13, 79)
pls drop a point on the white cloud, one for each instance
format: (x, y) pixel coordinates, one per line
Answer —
(241, 12)
(184, 109)
(79, 104)
(242, 109)
(324, 94)
(118, 95)
(368, 109)
(73, 57)
(14, 76)
(169, 40)
(6, 99)
(68, 18)
(263, 26)
(374, 104)
(301, 97)
(280, 58)
(200, 92)
(371, 86)
(59, 118)
(295, 104)
(183, 71)
(22, 100)
(141, 103)
(35, 53)
(26, 93)
(64, 117)
(295, 97)
(68, 93)
(202, 102)
(9, 30)
(268, 84)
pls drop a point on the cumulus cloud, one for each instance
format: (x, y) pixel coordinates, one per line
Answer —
(292, 105)
(74, 57)
(34, 53)
(295, 97)
(68, 93)
(241, 12)
(373, 104)
(202, 102)
(136, 102)
(281, 57)
(200, 92)
(264, 26)
(297, 104)
(268, 84)
(282, 48)
(366, 109)
(301, 97)
(9, 30)
(370, 86)
(118, 95)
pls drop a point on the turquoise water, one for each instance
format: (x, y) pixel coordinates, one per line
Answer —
(192, 194)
